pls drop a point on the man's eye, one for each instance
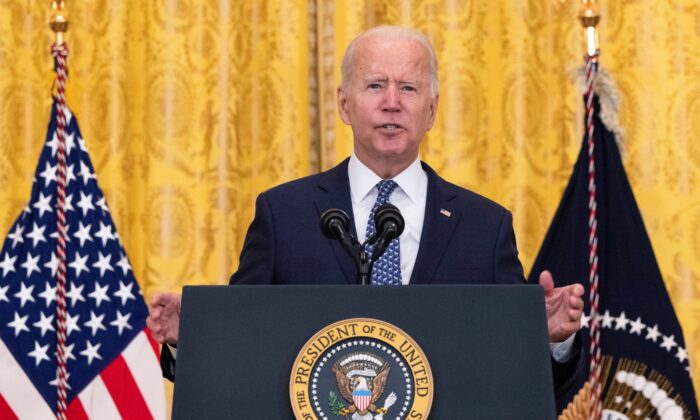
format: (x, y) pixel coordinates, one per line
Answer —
(409, 88)
(374, 86)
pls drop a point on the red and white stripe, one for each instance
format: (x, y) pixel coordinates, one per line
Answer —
(130, 388)
(596, 402)
(361, 401)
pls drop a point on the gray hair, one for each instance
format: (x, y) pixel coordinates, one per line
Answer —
(396, 32)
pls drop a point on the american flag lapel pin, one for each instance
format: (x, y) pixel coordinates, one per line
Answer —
(445, 212)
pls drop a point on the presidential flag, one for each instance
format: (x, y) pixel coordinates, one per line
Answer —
(112, 361)
(645, 371)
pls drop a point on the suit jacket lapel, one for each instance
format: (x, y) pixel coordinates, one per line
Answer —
(441, 219)
(334, 192)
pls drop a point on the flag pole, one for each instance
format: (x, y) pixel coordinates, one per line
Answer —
(589, 16)
(59, 50)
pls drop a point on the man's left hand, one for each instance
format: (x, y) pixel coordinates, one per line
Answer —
(564, 308)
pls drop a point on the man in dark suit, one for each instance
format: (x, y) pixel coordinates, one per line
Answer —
(465, 238)
(389, 96)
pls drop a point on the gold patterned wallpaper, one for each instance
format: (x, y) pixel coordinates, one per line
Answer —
(192, 107)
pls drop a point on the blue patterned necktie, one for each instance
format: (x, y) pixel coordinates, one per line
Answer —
(387, 269)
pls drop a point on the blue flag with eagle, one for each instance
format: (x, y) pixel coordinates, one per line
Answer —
(645, 367)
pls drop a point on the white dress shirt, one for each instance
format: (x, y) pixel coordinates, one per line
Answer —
(409, 197)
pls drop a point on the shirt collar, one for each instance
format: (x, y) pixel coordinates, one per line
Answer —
(363, 180)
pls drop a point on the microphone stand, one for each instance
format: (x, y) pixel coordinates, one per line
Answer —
(364, 267)
(363, 263)
(358, 253)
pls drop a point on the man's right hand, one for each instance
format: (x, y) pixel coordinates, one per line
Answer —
(164, 317)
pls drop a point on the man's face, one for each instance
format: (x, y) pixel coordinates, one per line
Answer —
(388, 101)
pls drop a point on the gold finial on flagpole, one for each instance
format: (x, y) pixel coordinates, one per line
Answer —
(59, 20)
(589, 15)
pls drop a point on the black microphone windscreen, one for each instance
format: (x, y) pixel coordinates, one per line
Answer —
(331, 216)
(388, 213)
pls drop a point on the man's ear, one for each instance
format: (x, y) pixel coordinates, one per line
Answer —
(343, 105)
(433, 111)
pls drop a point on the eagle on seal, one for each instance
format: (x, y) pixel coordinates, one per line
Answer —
(362, 392)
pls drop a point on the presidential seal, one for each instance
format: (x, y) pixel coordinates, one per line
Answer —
(361, 369)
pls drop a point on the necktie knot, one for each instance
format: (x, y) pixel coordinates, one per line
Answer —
(385, 188)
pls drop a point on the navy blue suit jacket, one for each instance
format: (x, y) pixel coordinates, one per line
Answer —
(474, 244)
(466, 238)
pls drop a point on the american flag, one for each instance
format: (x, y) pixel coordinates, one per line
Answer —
(113, 368)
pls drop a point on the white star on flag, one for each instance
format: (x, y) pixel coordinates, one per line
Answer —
(85, 203)
(72, 324)
(79, 264)
(53, 144)
(637, 326)
(49, 294)
(99, 294)
(669, 342)
(607, 320)
(124, 264)
(91, 352)
(43, 204)
(31, 264)
(682, 354)
(124, 292)
(37, 235)
(652, 333)
(16, 236)
(75, 294)
(3, 293)
(584, 320)
(44, 323)
(102, 203)
(52, 264)
(103, 263)
(19, 324)
(49, 174)
(70, 175)
(39, 353)
(95, 323)
(621, 322)
(25, 294)
(69, 352)
(121, 322)
(70, 143)
(85, 173)
(8, 264)
(105, 233)
(83, 233)
(69, 203)
(82, 144)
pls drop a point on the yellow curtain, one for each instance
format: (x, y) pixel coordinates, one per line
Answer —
(190, 108)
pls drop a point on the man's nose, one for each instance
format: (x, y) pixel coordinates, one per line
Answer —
(391, 98)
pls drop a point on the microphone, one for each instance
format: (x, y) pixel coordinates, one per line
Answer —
(389, 224)
(335, 224)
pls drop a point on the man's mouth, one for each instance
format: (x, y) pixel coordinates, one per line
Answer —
(390, 126)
